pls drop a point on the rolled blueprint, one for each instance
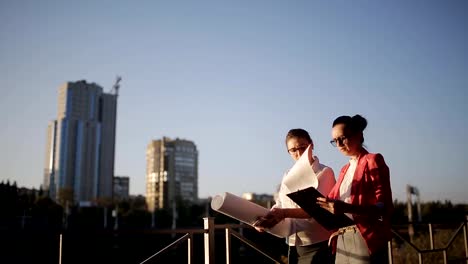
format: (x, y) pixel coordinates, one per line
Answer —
(301, 175)
(247, 212)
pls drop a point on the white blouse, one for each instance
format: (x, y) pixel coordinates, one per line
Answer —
(307, 231)
(345, 187)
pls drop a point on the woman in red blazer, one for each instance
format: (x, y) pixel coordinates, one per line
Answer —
(362, 192)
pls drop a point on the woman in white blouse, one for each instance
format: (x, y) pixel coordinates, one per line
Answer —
(308, 240)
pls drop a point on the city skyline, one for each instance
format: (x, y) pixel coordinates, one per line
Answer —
(235, 77)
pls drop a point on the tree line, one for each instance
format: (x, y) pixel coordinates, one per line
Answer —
(32, 208)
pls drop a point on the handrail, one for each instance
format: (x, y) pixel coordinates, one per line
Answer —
(463, 226)
(187, 236)
(404, 239)
(249, 243)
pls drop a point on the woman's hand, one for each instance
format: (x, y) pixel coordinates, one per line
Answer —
(259, 229)
(331, 205)
(271, 219)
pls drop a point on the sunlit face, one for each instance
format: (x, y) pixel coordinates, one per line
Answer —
(349, 145)
(297, 146)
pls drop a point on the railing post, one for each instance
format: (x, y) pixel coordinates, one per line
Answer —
(228, 245)
(465, 234)
(431, 237)
(445, 256)
(190, 248)
(60, 249)
(208, 223)
(420, 258)
(390, 252)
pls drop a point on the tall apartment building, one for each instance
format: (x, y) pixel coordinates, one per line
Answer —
(171, 172)
(80, 144)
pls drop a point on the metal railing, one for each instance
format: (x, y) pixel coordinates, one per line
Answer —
(463, 227)
(209, 242)
(230, 232)
(188, 237)
(229, 229)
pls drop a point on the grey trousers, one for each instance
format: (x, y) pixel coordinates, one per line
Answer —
(352, 249)
(316, 253)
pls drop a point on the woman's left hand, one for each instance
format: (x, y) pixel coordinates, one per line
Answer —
(331, 205)
(273, 217)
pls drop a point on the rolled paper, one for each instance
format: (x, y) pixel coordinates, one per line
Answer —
(247, 212)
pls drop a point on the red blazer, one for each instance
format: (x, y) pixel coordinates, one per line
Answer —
(370, 186)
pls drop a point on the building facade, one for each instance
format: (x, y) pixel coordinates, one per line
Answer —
(265, 200)
(80, 146)
(121, 188)
(171, 173)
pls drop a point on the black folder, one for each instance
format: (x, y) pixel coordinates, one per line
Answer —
(307, 200)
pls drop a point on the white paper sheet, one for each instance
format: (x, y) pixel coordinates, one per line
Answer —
(301, 175)
(247, 212)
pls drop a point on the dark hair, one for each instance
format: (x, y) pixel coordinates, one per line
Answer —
(298, 133)
(353, 125)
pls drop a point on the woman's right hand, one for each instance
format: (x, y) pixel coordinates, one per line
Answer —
(259, 229)
(331, 205)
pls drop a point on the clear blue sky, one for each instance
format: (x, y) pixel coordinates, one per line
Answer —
(235, 76)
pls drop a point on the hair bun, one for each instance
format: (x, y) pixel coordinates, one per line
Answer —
(359, 122)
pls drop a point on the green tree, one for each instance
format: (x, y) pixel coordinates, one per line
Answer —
(66, 194)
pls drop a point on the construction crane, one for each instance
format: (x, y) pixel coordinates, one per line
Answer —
(116, 86)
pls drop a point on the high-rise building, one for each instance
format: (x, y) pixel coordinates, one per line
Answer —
(121, 188)
(171, 172)
(80, 145)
